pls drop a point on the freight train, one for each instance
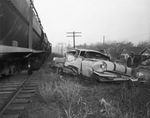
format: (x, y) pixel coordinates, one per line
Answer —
(23, 43)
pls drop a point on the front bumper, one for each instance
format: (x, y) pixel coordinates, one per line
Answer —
(107, 76)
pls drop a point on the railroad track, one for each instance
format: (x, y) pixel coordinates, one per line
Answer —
(15, 94)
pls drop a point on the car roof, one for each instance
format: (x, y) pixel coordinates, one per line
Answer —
(89, 50)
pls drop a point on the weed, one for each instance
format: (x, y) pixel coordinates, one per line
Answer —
(68, 98)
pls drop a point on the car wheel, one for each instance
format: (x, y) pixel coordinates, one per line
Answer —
(59, 71)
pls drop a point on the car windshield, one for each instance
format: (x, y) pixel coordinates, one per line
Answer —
(82, 53)
(73, 52)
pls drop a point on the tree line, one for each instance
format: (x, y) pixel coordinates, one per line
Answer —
(114, 48)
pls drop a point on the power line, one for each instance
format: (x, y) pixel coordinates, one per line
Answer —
(73, 34)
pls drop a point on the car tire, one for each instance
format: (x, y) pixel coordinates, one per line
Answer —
(59, 71)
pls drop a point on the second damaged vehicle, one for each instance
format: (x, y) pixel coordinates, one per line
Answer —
(95, 66)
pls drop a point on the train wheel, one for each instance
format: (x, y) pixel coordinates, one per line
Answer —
(3, 75)
(36, 64)
(5, 72)
(19, 68)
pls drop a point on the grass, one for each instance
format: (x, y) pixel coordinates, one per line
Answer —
(70, 97)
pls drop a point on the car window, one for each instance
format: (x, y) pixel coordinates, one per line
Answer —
(77, 53)
(82, 53)
(96, 55)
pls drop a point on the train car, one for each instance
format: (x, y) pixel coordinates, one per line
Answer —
(23, 43)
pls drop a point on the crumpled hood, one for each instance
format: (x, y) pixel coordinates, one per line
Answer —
(61, 60)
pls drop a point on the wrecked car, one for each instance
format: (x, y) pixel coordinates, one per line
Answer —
(94, 65)
(77, 53)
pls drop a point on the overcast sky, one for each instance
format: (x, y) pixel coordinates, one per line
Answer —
(117, 20)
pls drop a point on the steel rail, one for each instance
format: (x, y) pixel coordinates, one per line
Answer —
(13, 96)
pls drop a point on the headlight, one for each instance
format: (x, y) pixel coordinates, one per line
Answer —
(103, 66)
(54, 58)
(100, 67)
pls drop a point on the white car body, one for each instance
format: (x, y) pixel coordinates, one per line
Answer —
(106, 70)
(90, 62)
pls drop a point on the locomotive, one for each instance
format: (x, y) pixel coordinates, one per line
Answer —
(23, 43)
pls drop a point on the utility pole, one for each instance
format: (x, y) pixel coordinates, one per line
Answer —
(73, 34)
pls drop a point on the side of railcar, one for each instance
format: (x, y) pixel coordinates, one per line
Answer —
(21, 37)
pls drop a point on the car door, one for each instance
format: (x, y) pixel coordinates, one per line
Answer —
(86, 67)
